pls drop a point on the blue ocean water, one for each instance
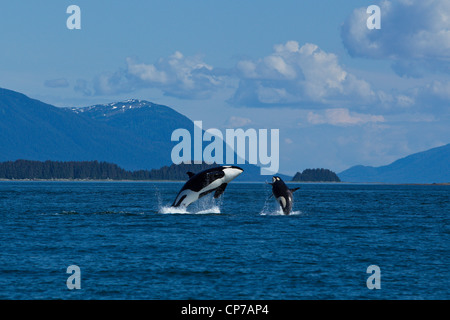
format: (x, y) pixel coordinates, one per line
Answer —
(128, 244)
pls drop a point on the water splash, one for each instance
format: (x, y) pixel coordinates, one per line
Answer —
(212, 210)
(206, 205)
(158, 196)
(172, 210)
(279, 212)
(271, 208)
(182, 210)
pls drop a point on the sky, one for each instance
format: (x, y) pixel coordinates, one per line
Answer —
(340, 94)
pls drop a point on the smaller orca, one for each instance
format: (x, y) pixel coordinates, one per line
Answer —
(283, 194)
(200, 184)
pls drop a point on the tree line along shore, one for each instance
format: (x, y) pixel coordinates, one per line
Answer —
(100, 170)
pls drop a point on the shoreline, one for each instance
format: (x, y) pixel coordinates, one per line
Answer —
(289, 182)
(84, 180)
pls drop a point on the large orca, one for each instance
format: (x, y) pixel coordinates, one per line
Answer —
(205, 182)
(283, 194)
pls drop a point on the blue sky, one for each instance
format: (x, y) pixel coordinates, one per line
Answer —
(340, 94)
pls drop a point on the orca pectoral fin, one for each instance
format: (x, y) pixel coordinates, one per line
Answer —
(190, 174)
(176, 203)
(295, 189)
(220, 190)
(201, 195)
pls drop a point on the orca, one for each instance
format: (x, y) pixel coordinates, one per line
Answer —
(283, 194)
(207, 181)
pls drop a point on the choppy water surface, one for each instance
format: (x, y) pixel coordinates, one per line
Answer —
(129, 244)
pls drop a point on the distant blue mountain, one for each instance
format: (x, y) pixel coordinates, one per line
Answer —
(431, 166)
(33, 130)
(134, 134)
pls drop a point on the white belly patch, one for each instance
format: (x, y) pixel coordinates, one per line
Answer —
(282, 201)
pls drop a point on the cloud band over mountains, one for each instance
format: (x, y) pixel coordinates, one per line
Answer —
(304, 76)
(177, 76)
(292, 75)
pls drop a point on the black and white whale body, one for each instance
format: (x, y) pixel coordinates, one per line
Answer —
(205, 182)
(283, 194)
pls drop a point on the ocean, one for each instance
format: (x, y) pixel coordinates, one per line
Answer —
(129, 244)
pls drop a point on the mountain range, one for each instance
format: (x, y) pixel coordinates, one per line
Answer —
(33, 130)
(134, 134)
(431, 166)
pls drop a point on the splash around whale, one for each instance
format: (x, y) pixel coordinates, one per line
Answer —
(214, 209)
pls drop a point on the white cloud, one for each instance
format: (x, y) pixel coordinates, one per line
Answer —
(176, 75)
(414, 34)
(146, 72)
(238, 122)
(297, 75)
(293, 75)
(342, 117)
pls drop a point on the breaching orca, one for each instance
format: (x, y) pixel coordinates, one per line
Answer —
(205, 182)
(283, 194)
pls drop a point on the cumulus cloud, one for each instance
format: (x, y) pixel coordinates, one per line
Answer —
(297, 75)
(293, 75)
(414, 34)
(185, 77)
(342, 117)
(176, 75)
(57, 83)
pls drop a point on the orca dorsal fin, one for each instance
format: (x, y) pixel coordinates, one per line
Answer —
(295, 189)
(190, 174)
